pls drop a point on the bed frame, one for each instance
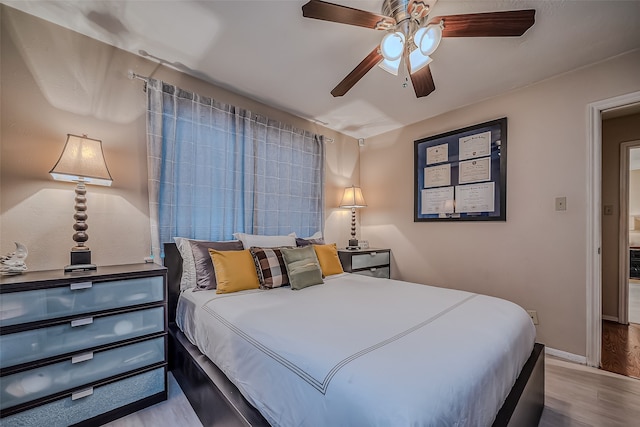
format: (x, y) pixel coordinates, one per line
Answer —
(217, 402)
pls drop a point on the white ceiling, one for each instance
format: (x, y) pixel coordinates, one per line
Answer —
(267, 51)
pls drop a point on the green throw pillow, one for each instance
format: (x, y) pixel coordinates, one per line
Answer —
(303, 267)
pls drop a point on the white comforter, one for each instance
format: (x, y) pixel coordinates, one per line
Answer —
(358, 351)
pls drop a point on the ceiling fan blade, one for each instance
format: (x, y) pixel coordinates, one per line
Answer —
(326, 11)
(422, 81)
(491, 24)
(354, 76)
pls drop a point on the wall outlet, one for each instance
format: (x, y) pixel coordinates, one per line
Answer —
(561, 203)
(534, 316)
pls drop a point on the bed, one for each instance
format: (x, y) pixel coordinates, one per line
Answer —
(343, 353)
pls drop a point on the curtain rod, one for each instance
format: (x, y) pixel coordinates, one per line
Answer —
(133, 75)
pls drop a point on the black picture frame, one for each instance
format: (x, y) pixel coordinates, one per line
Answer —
(461, 175)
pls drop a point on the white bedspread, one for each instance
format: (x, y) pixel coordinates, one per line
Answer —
(358, 351)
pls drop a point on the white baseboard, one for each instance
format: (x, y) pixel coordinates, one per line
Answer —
(565, 355)
(610, 318)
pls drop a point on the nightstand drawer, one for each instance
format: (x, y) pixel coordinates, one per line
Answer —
(382, 272)
(85, 404)
(78, 298)
(82, 368)
(371, 259)
(35, 344)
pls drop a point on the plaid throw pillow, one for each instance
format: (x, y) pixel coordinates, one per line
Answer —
(271, 268)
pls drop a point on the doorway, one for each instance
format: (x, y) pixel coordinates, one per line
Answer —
(594, 219)
(621, 318)
(630, 264)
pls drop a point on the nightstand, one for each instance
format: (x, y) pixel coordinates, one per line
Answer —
(368, 262)
(82, 348)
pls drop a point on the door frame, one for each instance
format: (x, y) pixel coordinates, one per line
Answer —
(623, 252)
(594, 220)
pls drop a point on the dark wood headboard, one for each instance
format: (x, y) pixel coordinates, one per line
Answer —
(173, 262)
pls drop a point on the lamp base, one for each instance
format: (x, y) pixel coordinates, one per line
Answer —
(353, 245)
(80, 267)
(80, 260)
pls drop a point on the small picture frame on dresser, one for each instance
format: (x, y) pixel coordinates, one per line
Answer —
(364, 244)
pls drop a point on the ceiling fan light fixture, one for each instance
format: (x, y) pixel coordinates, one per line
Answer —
(392, 46)
(390, 67)
(418, 61)
(428, 38)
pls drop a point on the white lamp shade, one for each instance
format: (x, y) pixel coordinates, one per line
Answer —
(391, 67)
(392, 46)
(417, 60)
(352, 198)
(82, 160)
(428, 38)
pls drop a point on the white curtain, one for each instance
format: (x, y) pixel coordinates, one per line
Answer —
(215, 169)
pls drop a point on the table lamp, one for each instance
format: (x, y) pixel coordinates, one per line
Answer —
(352, 199)
(82, 162)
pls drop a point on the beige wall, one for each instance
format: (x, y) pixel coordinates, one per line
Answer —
(55, 82)
(537, 258)
(614, 132)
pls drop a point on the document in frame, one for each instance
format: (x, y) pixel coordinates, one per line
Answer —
(437, 176)
(474, 198)
(478, 145)
(437, 201)
(476, 170)
(437, 154)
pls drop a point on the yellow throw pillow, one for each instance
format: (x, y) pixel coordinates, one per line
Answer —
(328, 258)
(235, 271)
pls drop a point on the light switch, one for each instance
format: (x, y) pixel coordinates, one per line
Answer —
(561, 203)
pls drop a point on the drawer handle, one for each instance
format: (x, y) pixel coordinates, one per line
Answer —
(82, 357)
(374, 269)
(80, 285)
(83, 393)
(373, 253)
(82, 322)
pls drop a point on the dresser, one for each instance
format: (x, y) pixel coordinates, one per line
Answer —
(82, 348)
(368, 262)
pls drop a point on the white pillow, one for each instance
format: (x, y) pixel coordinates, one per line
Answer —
(188, 279)
(316, 235)
(249, 240)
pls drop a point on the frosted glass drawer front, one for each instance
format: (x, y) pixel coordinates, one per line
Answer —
(35, 344)
(81, 369)
(369, 260)
(77, 298)
(382, 272)
(67, 411)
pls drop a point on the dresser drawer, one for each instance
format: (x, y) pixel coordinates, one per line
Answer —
(382, 272)
(371, 259)
(81, 369)
(89, 403)
(88, 332)
(78, 298)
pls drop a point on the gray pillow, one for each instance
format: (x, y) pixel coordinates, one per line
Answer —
(205, 276)
(303, 267)
(309, 241)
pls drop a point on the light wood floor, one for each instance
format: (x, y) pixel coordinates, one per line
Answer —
(576, 396)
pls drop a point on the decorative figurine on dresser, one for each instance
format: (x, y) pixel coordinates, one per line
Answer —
(82, 348)
(14, 262)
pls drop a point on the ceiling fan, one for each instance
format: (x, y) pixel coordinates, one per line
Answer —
(412, 35)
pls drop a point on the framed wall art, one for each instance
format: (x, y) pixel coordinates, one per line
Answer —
(462, 175)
